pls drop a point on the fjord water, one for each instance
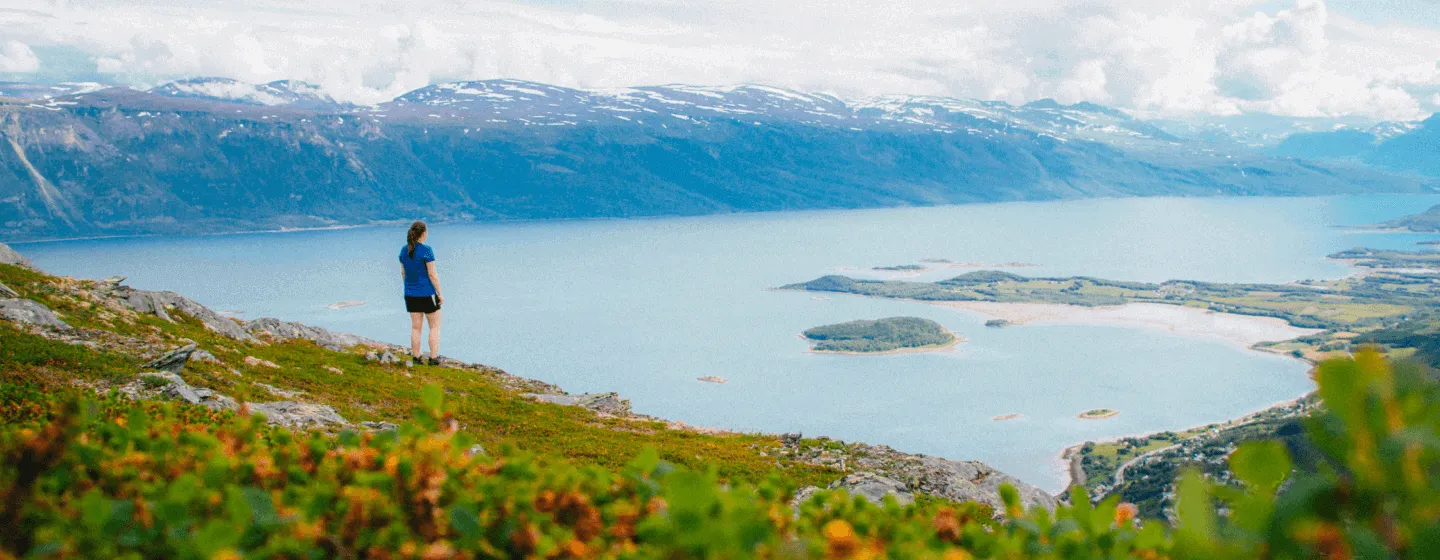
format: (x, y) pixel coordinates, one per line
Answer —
(644, 307)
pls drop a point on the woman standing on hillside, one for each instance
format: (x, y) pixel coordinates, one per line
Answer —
(422, 291)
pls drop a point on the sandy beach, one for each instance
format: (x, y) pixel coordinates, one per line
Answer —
(1244, 330)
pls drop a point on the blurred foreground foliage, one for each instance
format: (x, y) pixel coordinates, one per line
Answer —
(108, 478)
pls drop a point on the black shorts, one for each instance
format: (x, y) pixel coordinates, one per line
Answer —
(423, 304)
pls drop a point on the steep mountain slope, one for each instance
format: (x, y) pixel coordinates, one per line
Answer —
(210, 155)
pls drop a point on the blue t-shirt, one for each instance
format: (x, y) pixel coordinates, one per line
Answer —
(417, 279)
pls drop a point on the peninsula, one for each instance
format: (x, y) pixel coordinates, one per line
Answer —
(883, 336)
(1388, 302)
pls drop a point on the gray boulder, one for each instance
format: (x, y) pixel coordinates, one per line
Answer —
(203, 356)
(9, 256)
(173, 361)
(155, 303)
(969, 481)
(169, 386)
(287, 330)
(380, 426)
(474, 450)
(299, 415)
(6, 292)
(30, 312)
(608, 403)
(874, 488)
(388, 358)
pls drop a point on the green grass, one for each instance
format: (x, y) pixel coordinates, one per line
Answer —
(489, 413)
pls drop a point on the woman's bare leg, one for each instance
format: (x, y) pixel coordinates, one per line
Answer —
(434, 320)
(417, 322)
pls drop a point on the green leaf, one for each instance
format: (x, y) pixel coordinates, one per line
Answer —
(1196, 528)
(465, 521)
(432, 397)
(1261, 464)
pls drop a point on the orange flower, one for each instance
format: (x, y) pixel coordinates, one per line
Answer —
(957, 554)
(439, 550)
(947, 528)
(840, 540)
(1124, 513)
(576, 549)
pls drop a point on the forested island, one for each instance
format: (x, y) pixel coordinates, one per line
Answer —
(892, 334)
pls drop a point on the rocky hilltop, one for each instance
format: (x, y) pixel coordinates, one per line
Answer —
(213, 155)
(147, 345)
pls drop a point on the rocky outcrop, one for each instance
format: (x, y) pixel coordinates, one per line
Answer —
(173, 361)
(30, 312)
(157, 303)
(960, 481)
(286, 330)
(383, 357)
(169, 386)
(870, 486)
(6, 292)
(299, 415)
(606, 403)
(9, 256)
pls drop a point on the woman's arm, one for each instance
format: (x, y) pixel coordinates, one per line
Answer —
(435, 281)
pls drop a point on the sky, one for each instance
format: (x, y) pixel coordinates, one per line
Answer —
(1377, 59)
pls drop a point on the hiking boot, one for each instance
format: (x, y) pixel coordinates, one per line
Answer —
(433, 361)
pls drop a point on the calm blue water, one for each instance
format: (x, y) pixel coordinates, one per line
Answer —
(643, 307)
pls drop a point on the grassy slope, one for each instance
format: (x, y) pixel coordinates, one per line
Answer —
(492, 415)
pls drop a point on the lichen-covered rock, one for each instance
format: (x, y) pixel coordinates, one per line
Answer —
(257, 362)
(167, 385)
(30, 312)
(6, 292)
(287, 330)
(299, 415)
(960, 481)
(203, 356)
(282, 393)
(156, 303)
(388, 358)
(173, 361)
(608, 403)
(9, 256)
(380, 426)
(874, 488)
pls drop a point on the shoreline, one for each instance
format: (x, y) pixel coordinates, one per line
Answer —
(1242, 330)
(1066, 460)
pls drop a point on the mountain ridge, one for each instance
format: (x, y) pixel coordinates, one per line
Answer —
(119, 161)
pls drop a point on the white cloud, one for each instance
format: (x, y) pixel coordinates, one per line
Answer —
(1216, 56)
(17, 57)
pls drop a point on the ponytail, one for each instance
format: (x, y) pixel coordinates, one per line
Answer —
(412, 237)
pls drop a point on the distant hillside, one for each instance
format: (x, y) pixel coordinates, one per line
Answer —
(211, 155)
(1408, 147)
(1424, 222)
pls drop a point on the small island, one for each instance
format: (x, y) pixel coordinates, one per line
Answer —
(1097, 414)
(997, 323)
(882, 336)
(902, 268)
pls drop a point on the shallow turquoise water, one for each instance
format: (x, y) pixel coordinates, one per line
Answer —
(644, 307)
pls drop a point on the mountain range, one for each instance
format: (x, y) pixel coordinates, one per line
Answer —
(214, 155)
